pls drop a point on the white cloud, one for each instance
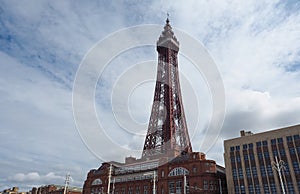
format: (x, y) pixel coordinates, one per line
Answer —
(34, 177)
(256, 47)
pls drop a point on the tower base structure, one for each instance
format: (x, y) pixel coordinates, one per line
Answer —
(189, 173)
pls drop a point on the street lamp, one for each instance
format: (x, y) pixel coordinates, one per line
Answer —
(278, 166)
(154, 180)
(67, 182)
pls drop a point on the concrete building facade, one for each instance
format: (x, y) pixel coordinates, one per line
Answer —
(253, 162)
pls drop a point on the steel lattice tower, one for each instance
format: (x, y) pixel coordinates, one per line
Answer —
(167, 134)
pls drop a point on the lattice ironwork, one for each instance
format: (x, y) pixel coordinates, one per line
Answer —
(167, 130)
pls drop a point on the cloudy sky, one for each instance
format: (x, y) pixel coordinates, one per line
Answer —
(255, 46)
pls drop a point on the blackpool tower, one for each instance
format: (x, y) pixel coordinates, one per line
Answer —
(168, 164)
(167, 134)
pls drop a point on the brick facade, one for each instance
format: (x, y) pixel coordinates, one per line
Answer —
(202, 176)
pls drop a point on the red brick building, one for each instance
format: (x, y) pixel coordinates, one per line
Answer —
(168, 164)
(140, 177)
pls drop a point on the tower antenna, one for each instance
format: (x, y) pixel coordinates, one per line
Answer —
(168, 17)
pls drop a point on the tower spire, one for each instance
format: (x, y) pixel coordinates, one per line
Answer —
(167, 21)
(167, 134)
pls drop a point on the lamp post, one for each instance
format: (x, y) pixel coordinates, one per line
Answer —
(278, 166)
(109, 178)
(220, 184)
(67, 182)
(154, 180)
(184, 184)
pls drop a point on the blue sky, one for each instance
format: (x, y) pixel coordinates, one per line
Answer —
(255, 44)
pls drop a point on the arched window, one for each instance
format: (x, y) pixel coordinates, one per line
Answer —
(97, 182)
(178, 171)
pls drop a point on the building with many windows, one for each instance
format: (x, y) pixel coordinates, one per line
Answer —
(142, 177)
(266, 162)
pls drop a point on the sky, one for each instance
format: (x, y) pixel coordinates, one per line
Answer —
(255, 46)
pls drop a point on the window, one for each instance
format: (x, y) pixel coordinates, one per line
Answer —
(251, 157)
(211, 185)
(287, 169)
(282, 152)
(178, 186)
(162, 173)
(250, 145)
(240, 173)
(248, 172)
(237, 148)
(251, 189)
(269, 169)
(273, 141)
(178, 171)
(275, 153)
(296, 137)
(254, 171)
(234, 174)
(245, 146)
(266, 188)
(296, 167)
(263, 171)
(292, 150)
(145, 189)
(238, 158)
(232, 149)
(243, 189)
(257, 189)
(289, 139)
(232, 159)
(236, 189)
(171, 187)
(137, 190)
(194, 169)
(279, 140)
(273, 187)
(97, 182)
(266, 154)
(265, 143)
(130, 190)
(205, 185)
(290, 187)
(258, 144)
